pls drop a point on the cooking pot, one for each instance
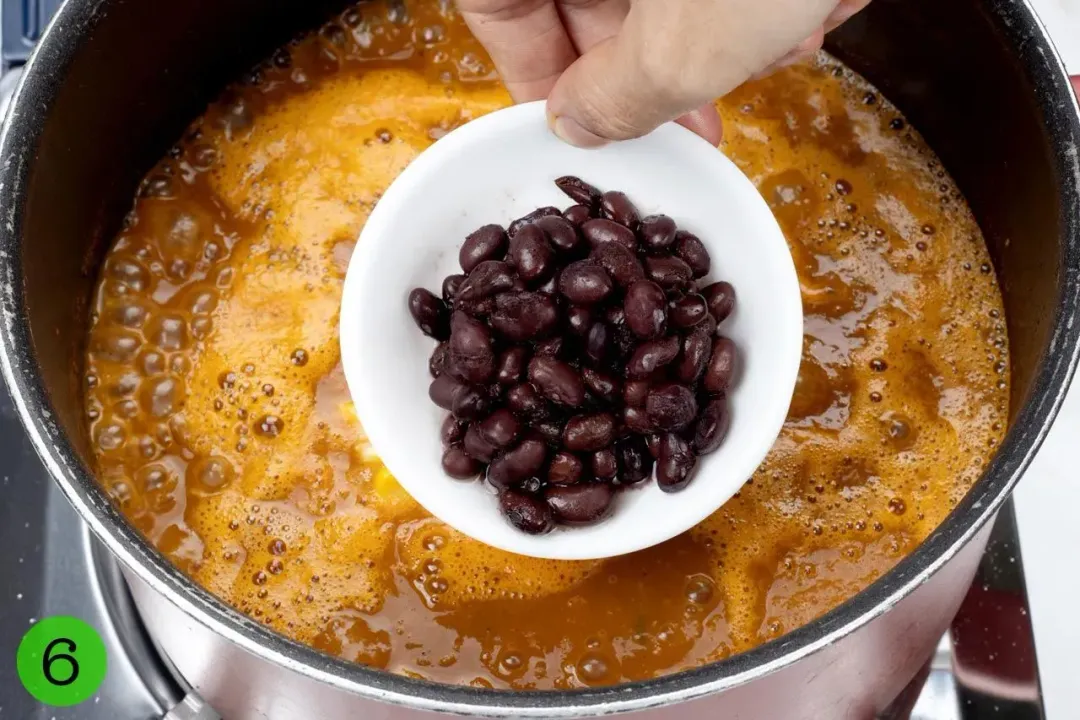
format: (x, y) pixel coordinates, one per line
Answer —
(114, 82)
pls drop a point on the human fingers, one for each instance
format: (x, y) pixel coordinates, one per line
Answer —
(589, 22)
(705, 121)
(671, 58)
(804, 50)
(526, 40)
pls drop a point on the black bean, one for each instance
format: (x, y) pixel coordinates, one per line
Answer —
(690, 249)
(637, 420)
(618, 304)
(675, 464)
(635, 462)
(526, 402)
(621, 264)
(652, 441)
(657, 233)
(721, 366)
(556, 347)
(471, 356)
(579, 320)
(565, 469)
(531, 486)
(551, 285)
(453, 430)
(711, 426)
(650, 355)
(531, 218)
(450, 286)
(707, 327)
(478, 447)
(429, 313)
(440, 358)
(486, 279)
(668, 272)
(688, 311)
(616, 206)
(696, 351)
(521, 316)
(557, 381)
(604, 464)
(577, 214)
(476, 308)
(486, 243)
(580, 504)
(517, 464)
(532, 255)
(526, 513)
(645, 307)
(671, 406)
(510, 365)
(444, 389)
(597, 342)
(551, 430)
(531, 452)
(495, 392)
(614, 315)
(721, 299)
(471, 404)
(578, 190)
(561, 233)
(600, 231)
(457, 464)
(635, 392)
(585, 283)
(602, 385)
(500, 428)
(586, 433)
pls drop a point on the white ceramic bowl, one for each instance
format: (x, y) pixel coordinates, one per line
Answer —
(502, 166)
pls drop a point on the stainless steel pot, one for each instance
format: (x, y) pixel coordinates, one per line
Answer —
(114, 82)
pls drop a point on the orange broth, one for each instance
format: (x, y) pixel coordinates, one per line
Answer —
(223, 429)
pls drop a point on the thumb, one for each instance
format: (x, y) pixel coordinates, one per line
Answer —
(607, 95)
(670, 58)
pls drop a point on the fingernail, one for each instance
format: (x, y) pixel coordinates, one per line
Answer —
(571, 132)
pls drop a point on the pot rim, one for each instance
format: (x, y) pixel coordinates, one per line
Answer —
(18, 142)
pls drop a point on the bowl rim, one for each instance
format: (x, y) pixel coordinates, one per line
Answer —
(19, 137)
(767, 324)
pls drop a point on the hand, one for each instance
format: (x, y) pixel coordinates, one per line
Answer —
(617, 69)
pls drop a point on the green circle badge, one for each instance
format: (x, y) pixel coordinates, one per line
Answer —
(61, 661)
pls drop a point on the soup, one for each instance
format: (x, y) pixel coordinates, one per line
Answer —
(222, 427)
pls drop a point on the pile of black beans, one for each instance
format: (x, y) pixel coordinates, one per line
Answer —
(576, 349)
